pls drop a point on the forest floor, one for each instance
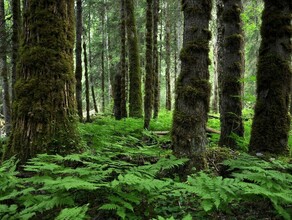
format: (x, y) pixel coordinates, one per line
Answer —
(130, 173)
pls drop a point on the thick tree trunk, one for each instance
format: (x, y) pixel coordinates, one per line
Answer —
(16, 27)
(135, 95)
(156, 100)
(193, 87)
(167, 61)
(271, 122)
(86, 82)
(4, 70)
(149, 87)
(44, 108)
(232, 63)
(78, 51)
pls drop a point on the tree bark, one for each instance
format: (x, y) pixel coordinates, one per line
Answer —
(86, 82)
(271, 123)
(167, 60)
(123, 105)
(44, 107)
(156, 100)
(16, 27)
(78, 51)
(103, 61)
(135, 95)
(232, 63)
(149, 88)
(4, 70)
(90, 62)
(193, 87)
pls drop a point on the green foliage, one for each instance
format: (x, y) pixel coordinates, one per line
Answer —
(129, 176)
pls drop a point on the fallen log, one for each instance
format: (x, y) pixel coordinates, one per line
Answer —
(208, 130)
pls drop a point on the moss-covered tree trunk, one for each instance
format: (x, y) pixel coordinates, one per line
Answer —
(16, 27)
(123, 104)
(156, 100)
(193, 87)
(135, 95)
(4, 69)
(44, 109)
(78, 52)
(232, 62)
(167, 60)
(271, 121)
(86, 82)
(149, 87)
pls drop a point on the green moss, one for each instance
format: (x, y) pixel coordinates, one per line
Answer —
(191, 47)
(44, 107)
(234, 41)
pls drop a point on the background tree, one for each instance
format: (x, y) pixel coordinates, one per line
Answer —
(156, 100)
(271, 121)
(149, 87)
(44, 108)
(167, 58)
(231, 67)
(86, 82)
(4, 69)
(135, 95)
(78, 53)
(193, 87)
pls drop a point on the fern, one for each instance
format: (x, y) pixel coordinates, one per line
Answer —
(76, 213)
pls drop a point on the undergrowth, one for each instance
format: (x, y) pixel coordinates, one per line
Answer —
(130, 174)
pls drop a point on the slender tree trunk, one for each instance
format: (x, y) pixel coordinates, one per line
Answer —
(232, 62)
(4, 70)
(15, 39)
(156, 59)
(193, 87)
(271, 123)
(103, 62)
(90, 62)
(149, 88)
(86, 82)
(44, 106)
(78, 51)
(123, 105)
(135, 95)
(167, 60)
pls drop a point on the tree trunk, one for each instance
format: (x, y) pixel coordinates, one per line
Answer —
(271, 124)
(78, 51)
(149, 88)
(193, 87)
(232, 63)
(15, 40)
(123, 104)
(167, 60)
(155, 59)
(44, 108)
(4, 70)
(103, 62)
(135, 95)
(90, 62)
(86, 82)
